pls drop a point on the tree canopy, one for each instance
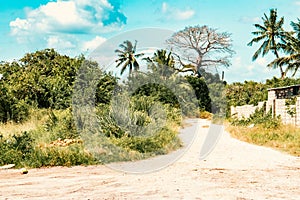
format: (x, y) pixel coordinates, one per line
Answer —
(201, 47)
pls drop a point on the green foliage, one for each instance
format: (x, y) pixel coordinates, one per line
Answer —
(249, 92)
(16, 149)
(42, 79)
(290, 106)
(143, 125)
(127, 56)
(28, 149)
(46, 78)
(60, 156)
(159, 92)
(155, 144)
(105, 87)
(109, 126)
(12, 109)
(201, 92)
(60, 125)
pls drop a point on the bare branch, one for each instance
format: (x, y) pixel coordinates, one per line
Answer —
(201, 46)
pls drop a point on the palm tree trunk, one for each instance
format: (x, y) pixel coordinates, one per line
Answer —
(280, 67)
(295, 71)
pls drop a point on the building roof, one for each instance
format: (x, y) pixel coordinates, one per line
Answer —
(285, 87)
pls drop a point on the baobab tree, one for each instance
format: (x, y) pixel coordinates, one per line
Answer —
(201, 47)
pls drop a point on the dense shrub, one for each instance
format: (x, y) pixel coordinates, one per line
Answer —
(160, 143)
(16, 148)
(60, 156)
(32, 149)
(201, 91)
(11, 108)
(60, 125)
(42, 79)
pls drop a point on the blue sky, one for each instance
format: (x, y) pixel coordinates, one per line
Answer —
(73, 27)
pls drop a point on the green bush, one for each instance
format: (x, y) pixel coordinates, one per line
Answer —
(22, 150)
(201, 91)
(11, 108)
(160, 143)
(16, 148)
(60, 156)
(60, 124)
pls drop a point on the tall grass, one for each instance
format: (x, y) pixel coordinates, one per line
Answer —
(37, 118)
(262, 129)
(37, 142)
(285, 138)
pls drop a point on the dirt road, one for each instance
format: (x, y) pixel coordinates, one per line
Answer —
(234, 170)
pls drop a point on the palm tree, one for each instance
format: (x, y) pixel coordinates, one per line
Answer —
(270, 32)
(292, 47)
(162, 62)
(127, 56)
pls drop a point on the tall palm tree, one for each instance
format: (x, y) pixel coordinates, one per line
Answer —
(271, 33)
(292, 47)
(128, 56)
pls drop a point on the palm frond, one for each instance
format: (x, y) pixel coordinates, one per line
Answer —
(136, 65)
(260, 27)
(119, 51)
(134, 47)
(296, 27)
(257, 39)
(127, 63)
(139, 55)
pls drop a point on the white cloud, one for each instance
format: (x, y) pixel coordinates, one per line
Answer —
(175, 13)
(247, 19)
(66, 24)
(93, 44)
(183, 15)
(297, 3)
(77, 16)
(57, 42)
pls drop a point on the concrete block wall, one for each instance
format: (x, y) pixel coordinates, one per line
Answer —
(281, 110)
(271, 98)
(244, 111)
(297, 116)
(278, 109)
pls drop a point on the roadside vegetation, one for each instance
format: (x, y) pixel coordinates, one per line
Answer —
(262, 129)
(46, 99)
(45, 102)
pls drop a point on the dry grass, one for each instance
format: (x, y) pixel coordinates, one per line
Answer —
(285, 138)
(37, 118)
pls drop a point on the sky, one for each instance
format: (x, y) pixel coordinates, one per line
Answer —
(75, 27)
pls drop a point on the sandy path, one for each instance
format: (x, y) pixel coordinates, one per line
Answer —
(234, 170)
